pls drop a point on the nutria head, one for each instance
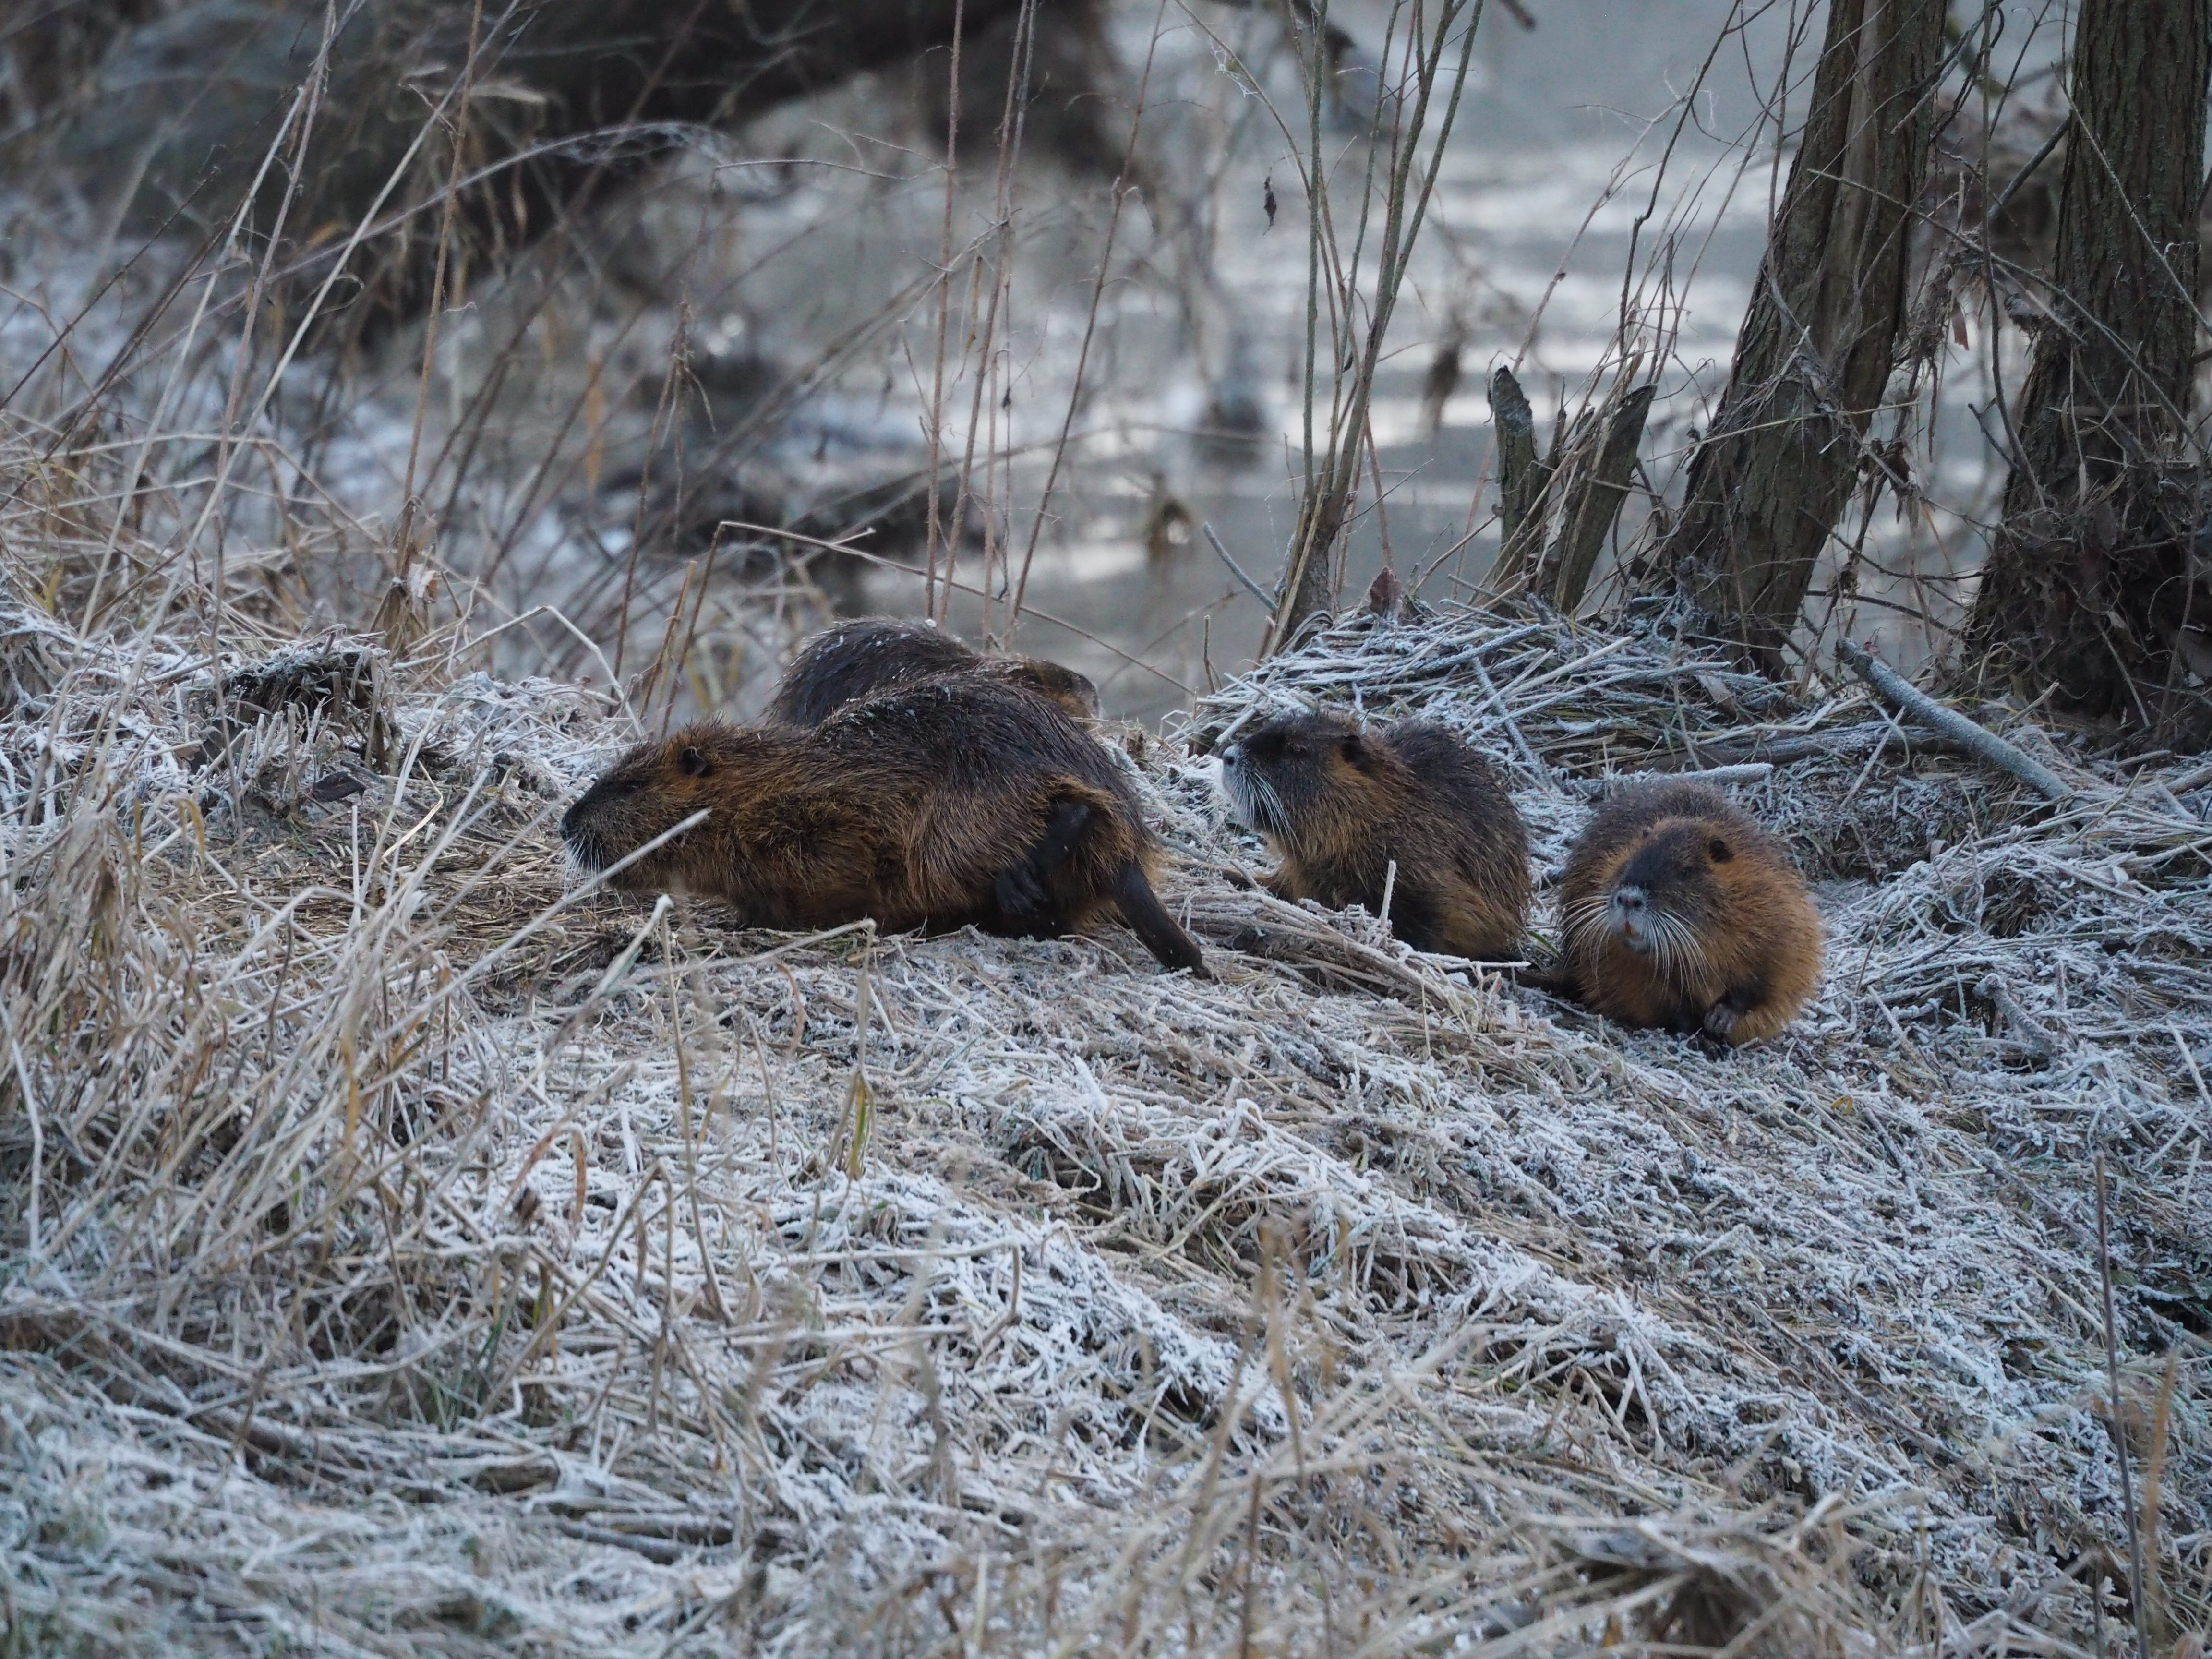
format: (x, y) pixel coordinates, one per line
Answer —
(1292, 776)
(1073, 691)
(649, 791)
(1669, 894)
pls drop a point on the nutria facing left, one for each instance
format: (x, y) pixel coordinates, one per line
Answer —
(1341, 803)
(960, 800)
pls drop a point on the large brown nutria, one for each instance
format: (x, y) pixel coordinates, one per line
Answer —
(865, 658)
(1680, 911)
(958, 800)
(1341, 803)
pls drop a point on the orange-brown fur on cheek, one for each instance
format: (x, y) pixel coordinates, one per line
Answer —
(1757, 937)
(1414, 795)
(876, 656)
(928, 807)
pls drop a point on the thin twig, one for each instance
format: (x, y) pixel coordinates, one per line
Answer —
(2028, 171)
(1237, 569)
(2119, 1422)
(2039, 1038)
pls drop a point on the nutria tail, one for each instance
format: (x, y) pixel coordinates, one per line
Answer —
(1149, 920)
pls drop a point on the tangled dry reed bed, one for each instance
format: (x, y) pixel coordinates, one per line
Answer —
(407, 1253)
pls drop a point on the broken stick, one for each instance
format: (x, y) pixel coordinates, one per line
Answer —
(1899, 693)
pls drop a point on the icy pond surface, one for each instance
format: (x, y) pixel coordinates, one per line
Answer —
(1602, 201)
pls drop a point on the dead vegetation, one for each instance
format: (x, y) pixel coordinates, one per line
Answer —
(414, 1253)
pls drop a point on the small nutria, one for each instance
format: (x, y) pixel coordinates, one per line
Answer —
(1340, 803)
(865, 659)
(1680, 911)
(956, 800)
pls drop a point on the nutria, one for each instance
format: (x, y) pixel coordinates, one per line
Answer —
(960, 799)
(1340, 803)
(1680, 911)
(865, 658)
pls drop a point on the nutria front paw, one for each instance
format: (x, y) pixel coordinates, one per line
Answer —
(1722, 1019)
(1555, 982)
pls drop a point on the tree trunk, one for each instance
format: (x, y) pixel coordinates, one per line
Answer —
(1775, 472)
(2096, 585)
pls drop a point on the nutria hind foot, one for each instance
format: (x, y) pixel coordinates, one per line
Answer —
(1020, 889)
(1149, 920)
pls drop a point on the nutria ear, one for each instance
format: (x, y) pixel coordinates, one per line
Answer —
(1721, 851)
(693, 765)
(1354, 747)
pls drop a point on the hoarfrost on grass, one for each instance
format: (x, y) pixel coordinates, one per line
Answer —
(421, 1250)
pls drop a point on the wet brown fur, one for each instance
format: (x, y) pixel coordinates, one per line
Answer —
(856, 660)
(1750, 944)
(1339, 803)
(957, 801)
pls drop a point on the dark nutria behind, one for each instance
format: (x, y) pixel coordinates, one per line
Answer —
(856, 660)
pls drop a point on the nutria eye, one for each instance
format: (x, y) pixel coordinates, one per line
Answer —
(693, 765)
(1721, 851)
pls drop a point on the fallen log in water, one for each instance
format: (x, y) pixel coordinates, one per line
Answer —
(321, 123)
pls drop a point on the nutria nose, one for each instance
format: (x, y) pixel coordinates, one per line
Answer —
(1628, 909)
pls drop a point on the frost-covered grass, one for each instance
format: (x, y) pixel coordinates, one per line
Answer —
(409, 1253)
